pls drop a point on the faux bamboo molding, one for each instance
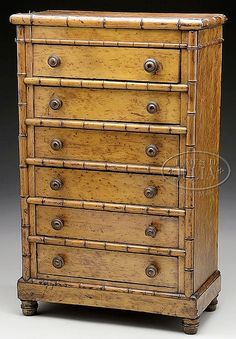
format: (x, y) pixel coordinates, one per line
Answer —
(108, 288)
(24, 184)
(106, 166)
(107, 246)
(118, 43)
(107, 206)
(119, 20)
(107, 126)
(105, 84)
(102, 43)
(190, 160)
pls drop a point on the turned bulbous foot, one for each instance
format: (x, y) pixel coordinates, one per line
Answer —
(212, 306)
(29, 308)
(190, 326)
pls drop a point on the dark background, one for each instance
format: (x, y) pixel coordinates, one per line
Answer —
(9, 119)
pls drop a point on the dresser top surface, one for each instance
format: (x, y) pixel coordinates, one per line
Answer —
(173, 21)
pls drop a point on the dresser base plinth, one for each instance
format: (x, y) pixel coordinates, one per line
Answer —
(187, 308)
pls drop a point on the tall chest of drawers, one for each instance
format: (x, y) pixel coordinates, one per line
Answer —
(119, 137)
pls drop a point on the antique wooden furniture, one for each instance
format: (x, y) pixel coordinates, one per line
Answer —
(115, 112)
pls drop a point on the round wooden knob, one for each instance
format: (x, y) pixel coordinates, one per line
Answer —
(152, 107)
(54, 61)
(56, 184)
(58, 262)
(55, 104)
(151, 151)
(56, 144)
(152, 66)
(150, 192)
(151, 271)
(151, 231)
(57, 224)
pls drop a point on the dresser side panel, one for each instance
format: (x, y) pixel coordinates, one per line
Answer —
(206, 165)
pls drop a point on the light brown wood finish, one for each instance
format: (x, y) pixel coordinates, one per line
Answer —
(106, 84)
(109, 226)
(102, 197)
(101, 206)
(97, 34)
(107, 146)
(102, 63)
(107, 105)
(107, 265)
(169, 21)
(207, 128)
(106, 186)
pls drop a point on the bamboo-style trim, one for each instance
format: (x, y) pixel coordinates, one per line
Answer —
(24, 183)
(106, 166)
(107, 246)
(139, 209)
(106, 288)
(103, 43)
(119, 43)
(105, 84)
(207, 44)
(190, 161)
(82, 19)
(107, 126)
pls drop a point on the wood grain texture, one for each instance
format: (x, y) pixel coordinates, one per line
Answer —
(109, 266)
(97, 34)
(106, 186)
(206, 200)
(107, 105)
(108, 226)
(108, 146)
(172, 21)
(102, 63)
(106, 84)
(111, 207)
(106, 166)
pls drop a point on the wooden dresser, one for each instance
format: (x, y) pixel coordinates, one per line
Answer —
(118, 116)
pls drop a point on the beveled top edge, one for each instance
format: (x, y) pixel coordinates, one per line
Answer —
(173, 21)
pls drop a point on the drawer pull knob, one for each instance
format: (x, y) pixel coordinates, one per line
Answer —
(151, 151)
(55, 104)
(152, 107)
(150, 192)
(152, 66)
(151, 231)
(56, 144)
(58, 262)
(151, 271)
(56, 184)
(54, 61)
(57, 224)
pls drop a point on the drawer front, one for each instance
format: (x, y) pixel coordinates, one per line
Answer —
(150, 230)
(108, 146)
(107, 105)
(106, 186)
(94, 35)
(111, 63)
(107, 265)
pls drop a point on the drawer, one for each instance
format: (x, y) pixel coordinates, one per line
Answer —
(107, 265)
(106, 186)
(110, 63)
(107, 105)
(150, 230)
(108, 146)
